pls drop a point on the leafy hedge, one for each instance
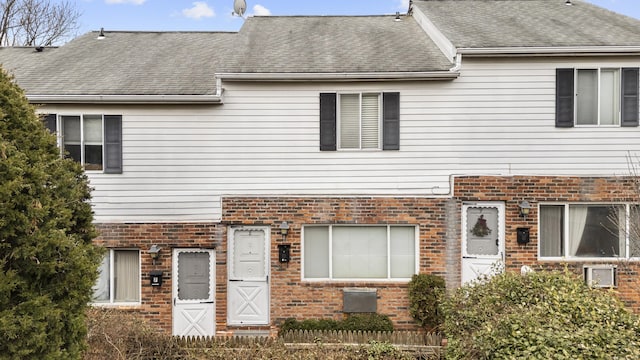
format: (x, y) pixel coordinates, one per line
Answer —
(355, 322)
(425, 291)
(540, 315)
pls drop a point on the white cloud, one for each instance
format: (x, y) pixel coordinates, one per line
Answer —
(199, 10)
(134, 2)
(260, 10)
(403, 5)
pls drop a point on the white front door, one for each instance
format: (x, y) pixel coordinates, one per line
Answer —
(248, 284)
(482, 240)
(194, 292)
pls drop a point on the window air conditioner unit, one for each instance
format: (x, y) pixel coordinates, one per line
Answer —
(603, 276)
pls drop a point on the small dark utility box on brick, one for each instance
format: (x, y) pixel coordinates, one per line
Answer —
(360, 300)
(155, 276)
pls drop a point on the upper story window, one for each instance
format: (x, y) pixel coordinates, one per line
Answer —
(359, 121)
(93, 140)
(589, 231)
(82, 139)
(119, 278)
(597, 97)
(359, 252)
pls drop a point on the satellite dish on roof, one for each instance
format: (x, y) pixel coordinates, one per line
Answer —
(239, 7)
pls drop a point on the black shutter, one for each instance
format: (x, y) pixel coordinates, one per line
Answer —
(564, 97)
(327, 121)
(50, 122)
(391, 121)
(630, 97)
(113, 144)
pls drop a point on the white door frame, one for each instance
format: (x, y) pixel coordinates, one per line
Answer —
(248, 296)
(194, 317)
(472, 265)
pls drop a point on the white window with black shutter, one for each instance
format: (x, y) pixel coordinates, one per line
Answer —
(597, 97)
(93, 140)
(359, 121)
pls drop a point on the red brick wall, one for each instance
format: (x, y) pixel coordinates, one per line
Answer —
(156, 301)
(291, 297)
(438, 220)
(513, 189)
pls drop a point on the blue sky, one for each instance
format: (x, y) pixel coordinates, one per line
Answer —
(215, 15)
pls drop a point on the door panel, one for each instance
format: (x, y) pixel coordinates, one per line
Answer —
(482, 240)
(193, 292)
(248, 285)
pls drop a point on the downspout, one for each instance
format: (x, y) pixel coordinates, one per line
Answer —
(219, 88)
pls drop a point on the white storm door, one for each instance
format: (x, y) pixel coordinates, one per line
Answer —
(248, 285)
(482, 240)
(194, 292)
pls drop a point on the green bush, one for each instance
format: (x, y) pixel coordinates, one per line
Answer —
(540, 315)
(354, 322)
(48, 264)
(425, 291)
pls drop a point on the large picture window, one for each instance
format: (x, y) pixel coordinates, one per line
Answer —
(588, 231)
(119, 279)
(337, 252)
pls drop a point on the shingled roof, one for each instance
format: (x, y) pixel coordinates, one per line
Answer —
(123, 63)
(335, 44)
(529, 23)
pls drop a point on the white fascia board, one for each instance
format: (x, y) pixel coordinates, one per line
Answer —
(124, 99)
(318, 77)
(443, 43)
(553, 51)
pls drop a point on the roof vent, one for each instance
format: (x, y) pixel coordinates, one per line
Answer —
(39, 48)
(101, 35)
(398, 16)
(568, 2)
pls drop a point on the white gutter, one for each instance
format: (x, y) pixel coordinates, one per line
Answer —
(458, 65)
(359, 76)
(552, 51)
(130, 99)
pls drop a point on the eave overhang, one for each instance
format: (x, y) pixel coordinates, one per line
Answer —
(125, 99)
(351, 77)
(552, 51)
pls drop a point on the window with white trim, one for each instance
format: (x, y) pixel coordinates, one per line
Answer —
(119, 279)
(589, 231)
(359, 121)
(82, 139)
(359, 252)
(93, 140)
(597, 97)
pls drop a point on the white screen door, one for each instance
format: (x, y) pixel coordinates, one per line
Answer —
(194, 292)
(482, 240)
(248, 301)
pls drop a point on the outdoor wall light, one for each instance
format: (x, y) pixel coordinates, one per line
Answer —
(284, 230)
(525, 208)
(154, 252)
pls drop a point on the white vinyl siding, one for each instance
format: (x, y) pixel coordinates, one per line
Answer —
(497, 118)
(367, 252)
